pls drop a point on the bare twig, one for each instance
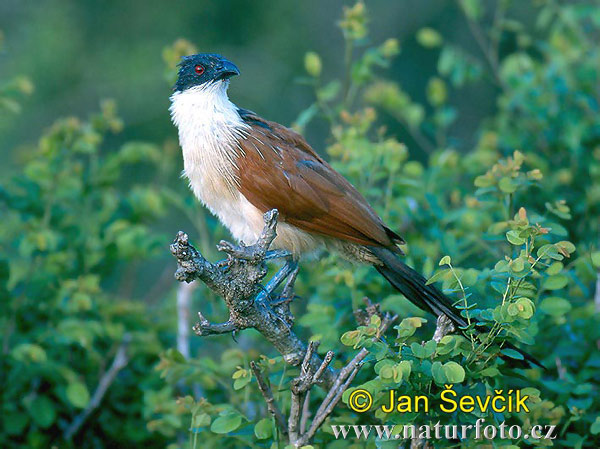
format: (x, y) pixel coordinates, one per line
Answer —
(489, 49)
(119, 362)
(305, 413)
(269, 399)
(345, 377)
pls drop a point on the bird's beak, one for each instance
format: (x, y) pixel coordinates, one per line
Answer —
(227, 70)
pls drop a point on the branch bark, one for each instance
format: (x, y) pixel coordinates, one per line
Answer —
(237, 280)
(301, 386)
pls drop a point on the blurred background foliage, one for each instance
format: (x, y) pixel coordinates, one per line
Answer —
(472, 126)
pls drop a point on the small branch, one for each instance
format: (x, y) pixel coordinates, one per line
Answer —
(305, 413)
(238, 281)
(119, 362)
(269, 399)
(345, 377)
(300, 385)
(203, 327)
(489, 50)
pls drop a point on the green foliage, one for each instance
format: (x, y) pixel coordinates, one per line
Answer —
(12, 89)
(507, 225)
(69, 226)
(501, 214)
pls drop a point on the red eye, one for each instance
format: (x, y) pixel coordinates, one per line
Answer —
(199, 69)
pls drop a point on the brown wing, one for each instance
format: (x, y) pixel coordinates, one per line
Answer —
(280, 170)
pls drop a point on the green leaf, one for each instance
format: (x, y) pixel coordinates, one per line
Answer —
(241, 382)
(507, 185)
(438, 275)
(42, 411)
(514, 238)
(555, 282)
(472, 8)
(490, 372)
(595, 428)
(387, 372)
(437, 372)
(29, 352)
(454, 372)
(14, 422)
(418, 350)
(555, 306)
(445, 261)
(549, 251)
(425, 351)
(446, 345)
(201, 420)
(263, 429)
(329, 91)
(78, 394)
(227, 423)
(437, 92)
(406, 368)
(555, 268)
(525, 308)
(312, 64)
(174, 355)
(350, 338)
(512, 353)
(596, 259)
(429, 38)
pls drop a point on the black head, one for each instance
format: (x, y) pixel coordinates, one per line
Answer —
(202, 68)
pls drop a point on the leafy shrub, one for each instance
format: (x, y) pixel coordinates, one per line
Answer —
(69, 229)
(502, 215)
(507, 226)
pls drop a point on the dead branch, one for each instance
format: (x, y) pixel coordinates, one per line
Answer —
(237, 280)
(301, 385)
(269, 399)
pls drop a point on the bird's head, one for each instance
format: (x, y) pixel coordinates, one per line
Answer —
(203, 69)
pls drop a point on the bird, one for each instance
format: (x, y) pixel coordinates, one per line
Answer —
(240, 165)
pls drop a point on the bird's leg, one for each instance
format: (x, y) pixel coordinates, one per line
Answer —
(288, 268)
(287, 295)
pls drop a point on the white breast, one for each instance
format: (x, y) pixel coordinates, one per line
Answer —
(209, 128)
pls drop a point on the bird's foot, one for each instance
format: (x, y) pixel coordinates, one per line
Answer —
(277, 279)
(287, 295)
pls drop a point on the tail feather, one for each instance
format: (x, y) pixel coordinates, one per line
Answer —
(427, 297)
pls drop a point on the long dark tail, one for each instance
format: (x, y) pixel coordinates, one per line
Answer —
(427, 297)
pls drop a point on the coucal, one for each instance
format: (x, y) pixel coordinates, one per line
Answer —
(240, 165)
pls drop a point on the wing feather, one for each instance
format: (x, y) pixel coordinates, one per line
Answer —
(278, 169)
